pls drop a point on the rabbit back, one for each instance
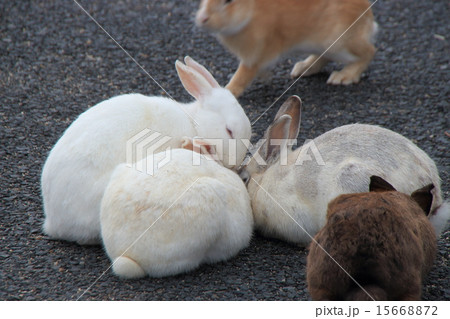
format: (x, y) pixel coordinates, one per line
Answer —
(352, 153)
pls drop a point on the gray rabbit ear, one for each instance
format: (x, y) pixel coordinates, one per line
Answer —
(424, 198)
(377, 184)
(292, 107)
(276, 137)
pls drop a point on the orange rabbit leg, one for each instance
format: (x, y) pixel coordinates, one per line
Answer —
(351, 73)
(311, 65)
(242, 78)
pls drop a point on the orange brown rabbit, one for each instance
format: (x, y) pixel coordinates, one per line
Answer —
(259, 31)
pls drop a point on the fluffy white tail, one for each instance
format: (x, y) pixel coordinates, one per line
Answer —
(440, 217)
(127, 268)
(375, 29)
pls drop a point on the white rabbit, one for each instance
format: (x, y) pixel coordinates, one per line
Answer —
(79, 166)
(173, 220)
(290, 201)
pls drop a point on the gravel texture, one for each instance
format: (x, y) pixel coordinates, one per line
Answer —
(55, 62)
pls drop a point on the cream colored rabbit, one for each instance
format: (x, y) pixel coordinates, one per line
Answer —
(260, 31)
(79, 166)
(176, 219)
(291, 192)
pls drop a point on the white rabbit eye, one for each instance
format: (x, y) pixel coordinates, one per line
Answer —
(230, 132)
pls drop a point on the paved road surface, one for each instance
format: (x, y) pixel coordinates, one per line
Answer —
(55, 62)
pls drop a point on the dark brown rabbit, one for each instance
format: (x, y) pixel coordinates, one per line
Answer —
(382, 239)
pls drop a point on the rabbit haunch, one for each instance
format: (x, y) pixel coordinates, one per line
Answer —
(79, 166)
(382, 239)
(290, 201)
(260, 31)
(176, 219)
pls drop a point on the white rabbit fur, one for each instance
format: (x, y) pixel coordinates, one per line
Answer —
(79, 166)
(175, 219)
(288, 200)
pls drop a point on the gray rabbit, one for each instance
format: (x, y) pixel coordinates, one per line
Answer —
(290, 199)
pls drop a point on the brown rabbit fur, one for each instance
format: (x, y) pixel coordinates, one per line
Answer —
(383, 239)
(259, 31)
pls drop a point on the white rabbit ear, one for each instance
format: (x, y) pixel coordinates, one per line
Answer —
(190, 62)
(277, 135)
(292, 107)
(193, 82)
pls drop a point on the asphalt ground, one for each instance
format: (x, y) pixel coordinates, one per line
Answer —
(55, 62)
